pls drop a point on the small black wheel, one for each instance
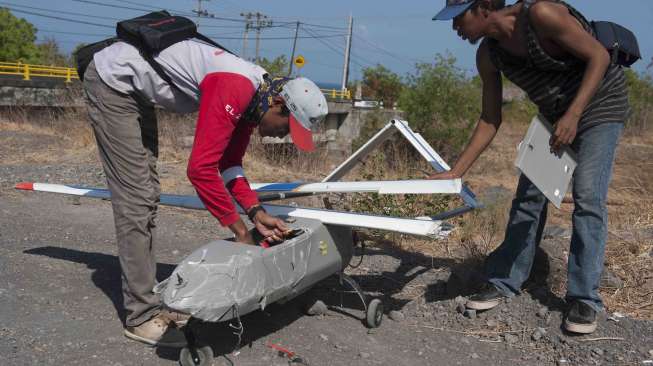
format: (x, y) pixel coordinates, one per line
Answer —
(374, 313)
(204, 356)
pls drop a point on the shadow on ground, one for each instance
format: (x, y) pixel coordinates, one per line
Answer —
(106, 271)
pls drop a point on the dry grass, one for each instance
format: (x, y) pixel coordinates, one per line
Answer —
(44, 136)
(477, 233)
(630, 206)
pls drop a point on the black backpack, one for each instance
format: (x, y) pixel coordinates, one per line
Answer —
(150, 33)
(620, 42)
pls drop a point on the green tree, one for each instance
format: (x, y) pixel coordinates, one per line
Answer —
(381, 84)
(72, 59)
(276, 67)
(17, 38)
(51, 55)
(442, 103)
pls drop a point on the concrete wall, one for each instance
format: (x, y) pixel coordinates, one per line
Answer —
(341, 127)
(342, 130)
(40, 93)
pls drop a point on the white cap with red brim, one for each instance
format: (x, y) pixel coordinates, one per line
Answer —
(308, 107)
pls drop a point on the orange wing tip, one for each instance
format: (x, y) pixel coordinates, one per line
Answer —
(27, 186)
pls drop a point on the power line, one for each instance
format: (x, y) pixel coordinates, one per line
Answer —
(111, 5)
(368, 62)
(217, 36)
(325, 43)
(181, 12)
(59, 12)
(339, 52)
(60, 18)
(151, 8)
(75, 33)
(323, 26)
(318, 37)
(136, 3)
(386, 52)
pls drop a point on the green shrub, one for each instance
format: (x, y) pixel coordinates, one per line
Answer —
(442, 103)
(381, 84)
(640, 95)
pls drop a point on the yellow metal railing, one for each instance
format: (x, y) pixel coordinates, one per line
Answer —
(337, 93)
(27, 71)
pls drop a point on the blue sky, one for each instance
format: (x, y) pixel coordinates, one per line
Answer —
(395, 34)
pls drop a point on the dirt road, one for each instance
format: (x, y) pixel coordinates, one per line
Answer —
(60, 299)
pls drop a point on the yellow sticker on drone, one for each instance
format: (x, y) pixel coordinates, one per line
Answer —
(323, 248)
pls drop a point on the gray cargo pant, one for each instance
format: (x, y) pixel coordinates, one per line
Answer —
(125, 128)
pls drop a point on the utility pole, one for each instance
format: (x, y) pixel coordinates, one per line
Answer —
(248, 25)
(261, 21)
(345, 71)
(202, 13)
(294, 46)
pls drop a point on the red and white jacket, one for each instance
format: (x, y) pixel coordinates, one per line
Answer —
(217, 83)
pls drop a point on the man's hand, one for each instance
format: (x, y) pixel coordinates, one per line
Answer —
(242, 234)
(450, 174)
(271, 227)
(565, 131)
(245, 238)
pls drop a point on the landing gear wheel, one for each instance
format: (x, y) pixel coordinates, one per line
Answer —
(200, 356)
(374, 313)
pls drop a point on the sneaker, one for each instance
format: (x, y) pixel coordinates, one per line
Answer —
(580, 318)
(486, 298)
(158, 331)
(180, 319)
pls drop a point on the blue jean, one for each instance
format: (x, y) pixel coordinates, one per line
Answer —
(510, 264)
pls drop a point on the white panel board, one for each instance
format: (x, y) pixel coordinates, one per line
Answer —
(550, 172)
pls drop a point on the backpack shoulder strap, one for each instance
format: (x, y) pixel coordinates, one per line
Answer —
(159, 70)
(208, 40)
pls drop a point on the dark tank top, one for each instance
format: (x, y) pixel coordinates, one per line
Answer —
(552, 84)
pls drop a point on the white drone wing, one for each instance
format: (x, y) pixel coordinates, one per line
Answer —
(402, 225)
(453, 186)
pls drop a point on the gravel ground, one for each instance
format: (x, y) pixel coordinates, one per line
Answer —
(61, 301)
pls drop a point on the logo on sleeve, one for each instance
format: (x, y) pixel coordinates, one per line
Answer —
(232, 111)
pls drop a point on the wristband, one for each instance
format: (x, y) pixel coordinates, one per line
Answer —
(253, 211)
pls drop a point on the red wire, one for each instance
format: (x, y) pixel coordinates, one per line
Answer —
(277, 347)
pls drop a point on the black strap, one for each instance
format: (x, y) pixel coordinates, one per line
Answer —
(212, 42)
(253, 211)
(159, 70)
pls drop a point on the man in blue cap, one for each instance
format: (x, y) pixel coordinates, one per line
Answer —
(454, 8)
(548, 49)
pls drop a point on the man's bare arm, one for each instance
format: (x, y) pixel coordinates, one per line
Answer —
(490, 120)
(554, 23)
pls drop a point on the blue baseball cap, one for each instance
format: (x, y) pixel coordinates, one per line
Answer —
(453, 8)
